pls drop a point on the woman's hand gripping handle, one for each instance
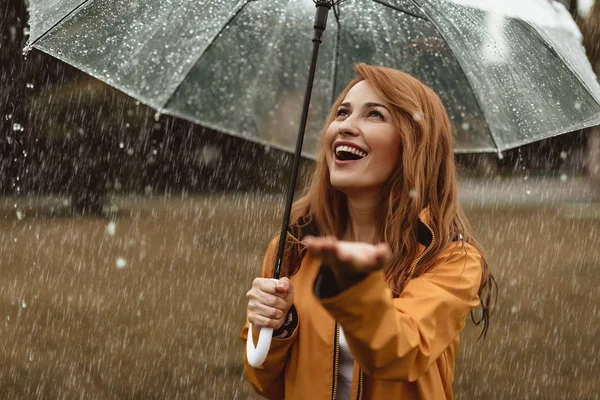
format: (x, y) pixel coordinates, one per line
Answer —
(269, 301)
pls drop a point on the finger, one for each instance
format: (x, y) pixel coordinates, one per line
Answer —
(258, 309)
(384, 252)
(283, 285)
(313, 244)
(260, 321)
(319, 243)
(265, 285)
(272, 300)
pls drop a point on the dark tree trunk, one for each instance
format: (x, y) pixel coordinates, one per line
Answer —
(590, 27)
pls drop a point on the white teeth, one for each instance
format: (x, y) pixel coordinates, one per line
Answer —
(349, 149)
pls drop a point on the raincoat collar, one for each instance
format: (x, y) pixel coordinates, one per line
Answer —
(424, 234)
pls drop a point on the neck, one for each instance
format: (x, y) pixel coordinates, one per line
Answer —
(361, 222)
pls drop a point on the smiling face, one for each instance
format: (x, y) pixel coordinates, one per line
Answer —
(363, 143)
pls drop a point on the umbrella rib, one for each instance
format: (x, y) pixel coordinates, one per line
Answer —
(385, 3)
(430, 20)
(548, 44)
(29, 46)
(201, 53)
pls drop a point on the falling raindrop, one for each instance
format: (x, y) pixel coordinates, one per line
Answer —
(19, 215)
(121, 263)
(111, 228)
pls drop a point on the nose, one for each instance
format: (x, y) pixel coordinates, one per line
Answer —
(348, 127)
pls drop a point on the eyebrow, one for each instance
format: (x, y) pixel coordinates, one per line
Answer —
(367, 105)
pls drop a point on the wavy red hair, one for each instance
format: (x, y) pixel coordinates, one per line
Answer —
(425, 178)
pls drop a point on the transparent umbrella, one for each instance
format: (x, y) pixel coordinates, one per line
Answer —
(240, 68)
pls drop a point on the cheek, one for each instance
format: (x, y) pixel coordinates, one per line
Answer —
(389, 153)
(328, 140)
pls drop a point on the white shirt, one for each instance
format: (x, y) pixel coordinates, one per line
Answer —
(345, 369)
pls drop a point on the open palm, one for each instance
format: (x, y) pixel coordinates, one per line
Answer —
(345, 257)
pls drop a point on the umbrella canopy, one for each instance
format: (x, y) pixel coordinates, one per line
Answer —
(240, 66)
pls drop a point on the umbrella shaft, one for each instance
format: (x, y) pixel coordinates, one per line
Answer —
(319, 25)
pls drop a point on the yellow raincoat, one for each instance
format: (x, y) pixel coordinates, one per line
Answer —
(404, 348)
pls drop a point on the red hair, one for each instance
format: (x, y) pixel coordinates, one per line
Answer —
(424, 178)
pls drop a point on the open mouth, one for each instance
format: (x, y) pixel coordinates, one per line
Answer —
(348, 153)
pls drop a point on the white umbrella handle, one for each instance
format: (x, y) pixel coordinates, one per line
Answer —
(256, 355)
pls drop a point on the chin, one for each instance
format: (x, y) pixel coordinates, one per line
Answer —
(346, 186)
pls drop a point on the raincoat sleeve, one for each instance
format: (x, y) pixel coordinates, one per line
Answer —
(268, 380)
(399, 338)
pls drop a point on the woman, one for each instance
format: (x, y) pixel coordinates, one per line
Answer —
(381, 270)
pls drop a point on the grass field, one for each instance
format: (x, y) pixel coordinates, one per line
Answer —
(147, 302)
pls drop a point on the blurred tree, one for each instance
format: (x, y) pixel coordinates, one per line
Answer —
(589, 23)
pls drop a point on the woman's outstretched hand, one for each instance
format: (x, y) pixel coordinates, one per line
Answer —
(349, 261)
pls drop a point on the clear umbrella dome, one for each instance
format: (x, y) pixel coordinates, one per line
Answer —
(241, 67)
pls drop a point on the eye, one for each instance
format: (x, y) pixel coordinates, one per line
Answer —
(375, 113)
(341, 112)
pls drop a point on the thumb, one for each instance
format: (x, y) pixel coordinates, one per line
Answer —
(284, 285)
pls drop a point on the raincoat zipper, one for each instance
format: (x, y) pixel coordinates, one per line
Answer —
(336, 360)
(360, 384)
(359, 396)
(414, 266)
